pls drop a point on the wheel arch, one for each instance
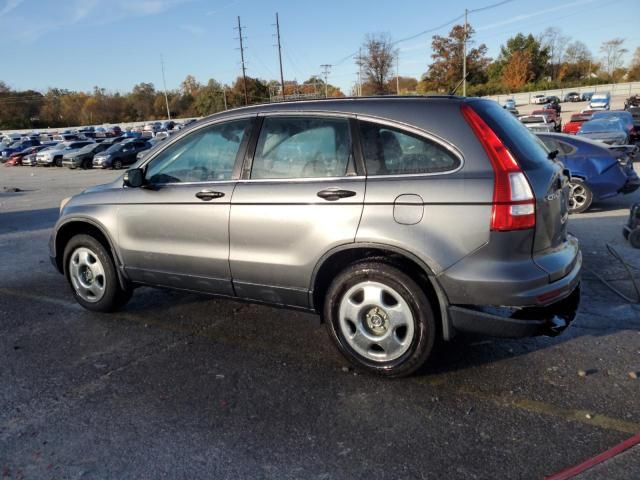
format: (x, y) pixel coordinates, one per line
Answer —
(340, 257)
(77, 226)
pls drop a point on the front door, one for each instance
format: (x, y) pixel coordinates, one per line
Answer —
(173, 231)
(299, 198)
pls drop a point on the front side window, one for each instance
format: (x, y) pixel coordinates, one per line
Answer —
(389, 151)
(297, 147)
(206, 155)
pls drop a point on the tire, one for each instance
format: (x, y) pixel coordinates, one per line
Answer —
(91, 273)
(634, 238)
(580, 197)
(117, 164)
(57, 161)
(361, 307)
(87, 164)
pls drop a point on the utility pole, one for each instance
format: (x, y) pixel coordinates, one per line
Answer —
(224, 96)
(325, 72)
(398, 73)
(360, 72)
(164, 83)
(280, 55)
(244, 70)
(464, 56)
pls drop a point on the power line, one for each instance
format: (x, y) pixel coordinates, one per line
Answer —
(430, 30)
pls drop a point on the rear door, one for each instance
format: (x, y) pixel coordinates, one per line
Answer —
(299, 197)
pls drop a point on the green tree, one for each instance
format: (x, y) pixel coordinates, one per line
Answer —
(538, 56)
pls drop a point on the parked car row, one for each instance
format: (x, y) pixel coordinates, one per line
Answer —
(88, 147)
(541, 99)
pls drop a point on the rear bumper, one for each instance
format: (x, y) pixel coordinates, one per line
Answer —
(631, 185)
(512, 298)
(526, 322)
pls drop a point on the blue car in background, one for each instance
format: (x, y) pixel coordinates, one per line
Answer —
(18, 146)
(597, 171)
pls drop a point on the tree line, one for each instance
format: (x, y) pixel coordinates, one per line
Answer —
(525, 63)
(61, 108)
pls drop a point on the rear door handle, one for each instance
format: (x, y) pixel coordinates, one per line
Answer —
(208, 195)
(333, 194)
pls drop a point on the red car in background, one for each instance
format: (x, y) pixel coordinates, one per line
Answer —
(576, 121)
(552, 117)
(16, 158)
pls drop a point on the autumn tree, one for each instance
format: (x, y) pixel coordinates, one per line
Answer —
(407, 84)
(376, 62)
(634, 67)
(538, 56)
(516, 72)
(445, 72)
(612, 53)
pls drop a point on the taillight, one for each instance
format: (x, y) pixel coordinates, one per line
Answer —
(514, 205)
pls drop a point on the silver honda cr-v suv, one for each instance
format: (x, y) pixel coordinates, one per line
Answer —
(400, 220)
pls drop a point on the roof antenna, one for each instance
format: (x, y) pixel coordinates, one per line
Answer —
(453, 92)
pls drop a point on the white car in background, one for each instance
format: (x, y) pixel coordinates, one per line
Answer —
(539, 99)
(538, 123)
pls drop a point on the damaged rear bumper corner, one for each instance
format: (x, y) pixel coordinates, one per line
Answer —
(550, 320)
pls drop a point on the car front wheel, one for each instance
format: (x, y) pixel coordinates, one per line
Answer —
(380, 319)
(90, 271)
(117, 164)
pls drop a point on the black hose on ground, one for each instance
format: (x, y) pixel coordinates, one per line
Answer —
(613, 252)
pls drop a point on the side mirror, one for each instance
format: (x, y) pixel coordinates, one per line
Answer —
(133, 178)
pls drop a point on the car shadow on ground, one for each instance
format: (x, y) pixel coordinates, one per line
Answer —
(27, 220)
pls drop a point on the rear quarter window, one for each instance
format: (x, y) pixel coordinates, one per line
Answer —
(524, 145)
(391, 151)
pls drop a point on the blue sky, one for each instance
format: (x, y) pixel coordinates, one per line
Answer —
(115, 44)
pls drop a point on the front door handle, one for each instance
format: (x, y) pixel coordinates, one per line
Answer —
(333, 194)
(207, 195)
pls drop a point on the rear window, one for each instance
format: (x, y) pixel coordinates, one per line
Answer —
(527, 148)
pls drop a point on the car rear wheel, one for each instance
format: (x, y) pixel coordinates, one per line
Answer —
(90, 271)
(380, 319)
(580, 196)
(117, 164)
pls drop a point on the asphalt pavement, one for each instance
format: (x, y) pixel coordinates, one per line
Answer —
(180, 385)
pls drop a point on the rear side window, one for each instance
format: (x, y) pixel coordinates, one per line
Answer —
(297, 147)
(527, 148)
(390, 151)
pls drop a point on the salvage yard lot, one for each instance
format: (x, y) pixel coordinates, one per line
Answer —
(182, 386)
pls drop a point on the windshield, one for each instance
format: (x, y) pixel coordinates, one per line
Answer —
(88, 148)
(114, 148)
(600, 126)
(580, 118)
(539, 119)
(624, 117)
(598, 96)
